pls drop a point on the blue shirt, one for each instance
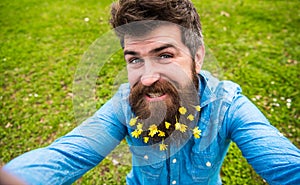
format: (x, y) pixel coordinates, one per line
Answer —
(226, 115)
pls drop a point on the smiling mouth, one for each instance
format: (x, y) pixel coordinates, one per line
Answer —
(155, 96)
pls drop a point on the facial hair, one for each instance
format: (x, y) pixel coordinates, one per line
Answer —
(166, 110)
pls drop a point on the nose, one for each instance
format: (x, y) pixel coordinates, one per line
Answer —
(148, 80)
(150, 75)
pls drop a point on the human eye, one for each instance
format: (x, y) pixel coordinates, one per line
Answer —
(135, 61)
(165, 56)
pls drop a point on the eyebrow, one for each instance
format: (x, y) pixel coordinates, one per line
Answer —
(155, 50)
(126, 52)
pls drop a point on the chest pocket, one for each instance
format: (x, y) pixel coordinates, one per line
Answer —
(203, 164)
(149, 163)
(206, 156)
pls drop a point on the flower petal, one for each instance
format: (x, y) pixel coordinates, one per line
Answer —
(182, 110)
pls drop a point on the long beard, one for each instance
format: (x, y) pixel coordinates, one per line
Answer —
(159, 112)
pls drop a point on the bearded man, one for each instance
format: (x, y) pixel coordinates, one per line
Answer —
(177, 119)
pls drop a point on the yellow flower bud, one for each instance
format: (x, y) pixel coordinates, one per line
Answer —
(182, 110)
(133, 121)
(146, 139)
(167, 124)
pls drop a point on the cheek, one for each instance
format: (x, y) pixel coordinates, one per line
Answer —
(133, 76)
(182, 74)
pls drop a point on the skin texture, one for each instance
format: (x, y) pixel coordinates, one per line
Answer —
(160, 55)
(8, 179)
(162, 77)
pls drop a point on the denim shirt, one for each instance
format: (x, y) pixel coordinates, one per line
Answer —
(226, 115)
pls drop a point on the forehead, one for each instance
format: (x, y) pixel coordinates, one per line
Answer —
(165, 34)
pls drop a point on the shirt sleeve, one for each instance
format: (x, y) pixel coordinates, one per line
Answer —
(272, 155)
(70, 156)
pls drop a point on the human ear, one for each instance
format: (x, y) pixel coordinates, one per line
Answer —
(199, 58)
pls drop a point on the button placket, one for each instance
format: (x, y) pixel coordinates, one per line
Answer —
(208, 164)
(174, 165)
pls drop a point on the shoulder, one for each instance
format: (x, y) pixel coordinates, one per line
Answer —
(221, 89)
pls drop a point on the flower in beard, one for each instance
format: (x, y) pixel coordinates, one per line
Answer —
(136, 133)
(133, 121)
(167, 125)
(163, 146)
(198, 108)
(182, 110)
(181, 127)
(196, 132)
(190, 117)
(153, 130)
(157, 108)
(161, 133)
(155, 105)
(146, 139)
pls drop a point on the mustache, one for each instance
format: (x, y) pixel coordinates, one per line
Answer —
(167, 110)
(161, 86)
(139, 92)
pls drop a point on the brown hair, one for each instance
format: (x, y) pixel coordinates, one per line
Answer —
(180, 12)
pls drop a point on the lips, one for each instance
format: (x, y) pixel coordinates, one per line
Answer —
(157, 96)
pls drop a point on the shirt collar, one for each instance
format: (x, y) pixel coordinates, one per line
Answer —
(207, 86)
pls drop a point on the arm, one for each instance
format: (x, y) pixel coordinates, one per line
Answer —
(272, 155)
(72, 155)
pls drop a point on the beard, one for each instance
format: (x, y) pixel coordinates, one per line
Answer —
(158, 112)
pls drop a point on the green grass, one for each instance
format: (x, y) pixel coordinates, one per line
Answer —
(256, 44)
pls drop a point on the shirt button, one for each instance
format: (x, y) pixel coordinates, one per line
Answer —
(146, 157)
(174, 161)
(208, 164)
(174, 182)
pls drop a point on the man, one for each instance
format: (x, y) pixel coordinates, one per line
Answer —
(177, 119)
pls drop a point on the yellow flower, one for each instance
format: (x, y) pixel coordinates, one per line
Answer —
(167, 124)
(146, 139)
(162, 147)
(161, 133)
(198, 108)
(190, 117)
(196, 132)
(132, 122)
(181, 127)
(153, 130)
(139, 126)
(182, 110)
(136, 133)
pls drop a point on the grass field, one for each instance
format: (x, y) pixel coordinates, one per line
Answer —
(255, 43)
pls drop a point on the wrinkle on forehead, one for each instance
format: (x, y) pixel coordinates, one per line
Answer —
(165, 34)
(158, 40)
